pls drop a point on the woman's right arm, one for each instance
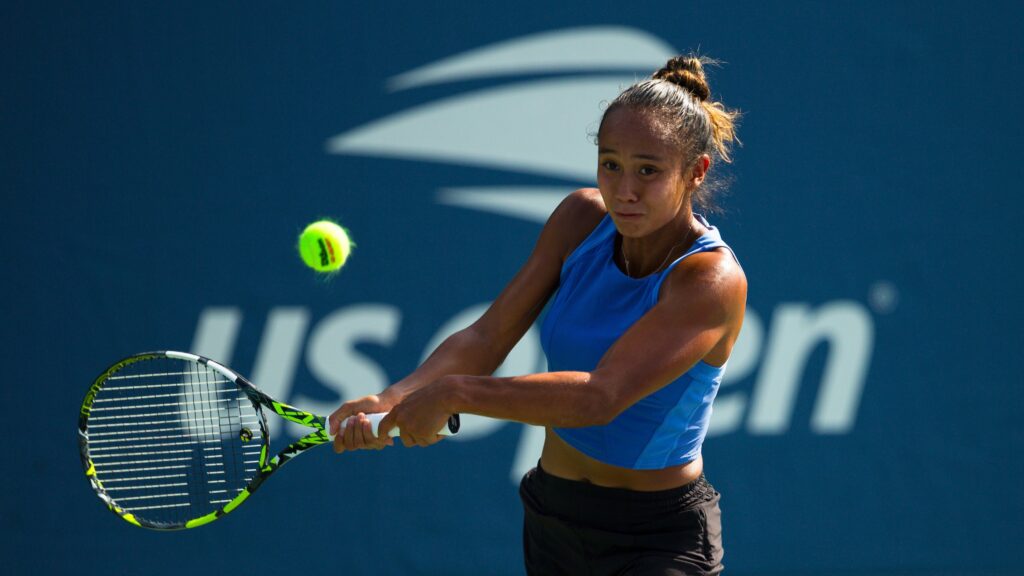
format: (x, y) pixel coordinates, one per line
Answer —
(480, 348)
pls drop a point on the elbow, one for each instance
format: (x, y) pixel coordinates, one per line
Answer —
(605, 405)
(483, 346)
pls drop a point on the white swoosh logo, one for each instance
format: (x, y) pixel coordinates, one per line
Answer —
(539, 127)
(526, 202)
(598, 48)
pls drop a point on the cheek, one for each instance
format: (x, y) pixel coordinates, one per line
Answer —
(676, 190)
(670, 198)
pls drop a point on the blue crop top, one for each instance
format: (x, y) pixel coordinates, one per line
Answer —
(595, 304)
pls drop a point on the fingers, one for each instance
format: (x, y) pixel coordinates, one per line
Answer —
(412, 431)
(387, 424)
(351, 429)
(350, 434)
(337, 418)
(409, 440)
(359, 435)
(338, 431)
(335, 424)
(334, 420)
(356, 433)
(390, 422)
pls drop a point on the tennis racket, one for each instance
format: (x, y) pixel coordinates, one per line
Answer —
(172, 440)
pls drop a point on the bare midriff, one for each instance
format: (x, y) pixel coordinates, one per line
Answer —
(562, 460)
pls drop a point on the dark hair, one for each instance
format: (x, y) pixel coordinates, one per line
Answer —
(680, 97)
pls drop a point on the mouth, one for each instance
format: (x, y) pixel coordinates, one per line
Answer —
(628, 215)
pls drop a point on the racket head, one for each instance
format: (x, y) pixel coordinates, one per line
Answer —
(170, 440)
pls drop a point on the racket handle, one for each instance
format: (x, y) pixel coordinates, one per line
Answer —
(449, 429)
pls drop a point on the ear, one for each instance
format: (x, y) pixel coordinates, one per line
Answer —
(699, 170)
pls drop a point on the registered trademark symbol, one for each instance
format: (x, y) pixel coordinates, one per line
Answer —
(883, 297)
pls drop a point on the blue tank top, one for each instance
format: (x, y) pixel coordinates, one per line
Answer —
(595, 304)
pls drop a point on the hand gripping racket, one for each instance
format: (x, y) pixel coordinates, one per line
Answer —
(172, 440)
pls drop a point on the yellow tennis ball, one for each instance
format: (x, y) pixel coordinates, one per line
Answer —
(324, 246)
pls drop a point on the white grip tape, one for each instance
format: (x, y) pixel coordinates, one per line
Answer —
(374, 423)
(394, 432)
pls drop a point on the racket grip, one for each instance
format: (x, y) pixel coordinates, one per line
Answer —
(449, 429)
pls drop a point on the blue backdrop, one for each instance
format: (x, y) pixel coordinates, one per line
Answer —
(158, 162)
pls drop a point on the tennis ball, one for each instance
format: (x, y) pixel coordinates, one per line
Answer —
(324, 246)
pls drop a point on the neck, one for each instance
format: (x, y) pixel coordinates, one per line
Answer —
(652, 253)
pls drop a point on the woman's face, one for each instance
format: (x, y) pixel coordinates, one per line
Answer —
(640, 173)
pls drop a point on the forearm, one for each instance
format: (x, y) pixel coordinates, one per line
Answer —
(461, 353)
(563, 399)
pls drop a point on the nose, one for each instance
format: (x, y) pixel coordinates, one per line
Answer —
(627, 189)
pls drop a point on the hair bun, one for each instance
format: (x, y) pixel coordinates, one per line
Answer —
(688, 72)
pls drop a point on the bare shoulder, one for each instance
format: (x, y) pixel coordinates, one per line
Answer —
(584, 208)
(575, 218)
(713, 278)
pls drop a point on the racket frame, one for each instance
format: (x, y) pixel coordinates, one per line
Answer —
(266, 466)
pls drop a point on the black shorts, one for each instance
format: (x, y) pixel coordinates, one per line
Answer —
(575, 528)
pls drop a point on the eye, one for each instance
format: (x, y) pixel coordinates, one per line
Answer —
(610, 165)
(648, 170)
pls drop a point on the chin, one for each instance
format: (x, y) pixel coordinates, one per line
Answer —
(630, 229)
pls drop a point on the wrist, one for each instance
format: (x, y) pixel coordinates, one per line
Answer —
(392, 395)
(452, 388)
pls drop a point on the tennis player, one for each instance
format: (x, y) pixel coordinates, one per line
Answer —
(648, 301)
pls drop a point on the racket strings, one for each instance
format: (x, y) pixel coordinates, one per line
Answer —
(173, 439)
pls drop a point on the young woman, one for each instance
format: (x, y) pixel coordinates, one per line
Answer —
(648, 301)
